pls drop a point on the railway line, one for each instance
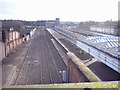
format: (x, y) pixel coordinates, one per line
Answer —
(25, 68)
(53, 61)
(42, 62)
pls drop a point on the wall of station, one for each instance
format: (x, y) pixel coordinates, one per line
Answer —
(74, 74)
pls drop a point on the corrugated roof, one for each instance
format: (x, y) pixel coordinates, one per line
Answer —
(108, 44)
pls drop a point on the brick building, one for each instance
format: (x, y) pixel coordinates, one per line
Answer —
(0, 31)
(13, 35)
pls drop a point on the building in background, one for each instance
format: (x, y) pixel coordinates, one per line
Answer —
(105, 29)
(0, 31)
(57, 21)
(50, 23)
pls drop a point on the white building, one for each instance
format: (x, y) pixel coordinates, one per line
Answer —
(104, 29)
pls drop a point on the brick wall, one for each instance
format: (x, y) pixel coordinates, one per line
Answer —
(8, 47)
(0, 31)
(74, 74)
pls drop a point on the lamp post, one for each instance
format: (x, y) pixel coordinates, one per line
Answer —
(11, 29)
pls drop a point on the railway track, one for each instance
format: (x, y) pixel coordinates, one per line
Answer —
(42, 62)
(24, 71)
(33, 60)
(45, 63)
(23, 66)
(53, 60)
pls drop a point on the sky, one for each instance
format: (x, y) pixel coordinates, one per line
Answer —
(66, 10)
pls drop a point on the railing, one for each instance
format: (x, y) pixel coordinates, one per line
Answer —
(104, 85)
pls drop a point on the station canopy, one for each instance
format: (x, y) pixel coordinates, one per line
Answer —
(109, 44)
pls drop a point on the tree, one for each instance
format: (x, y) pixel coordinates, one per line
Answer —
(16, 25)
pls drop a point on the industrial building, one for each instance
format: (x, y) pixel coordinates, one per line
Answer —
(105, 29)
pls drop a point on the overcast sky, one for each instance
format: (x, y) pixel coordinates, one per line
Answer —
(66, 10)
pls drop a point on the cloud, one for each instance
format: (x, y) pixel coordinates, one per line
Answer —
(65, 9)
(5, 7)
